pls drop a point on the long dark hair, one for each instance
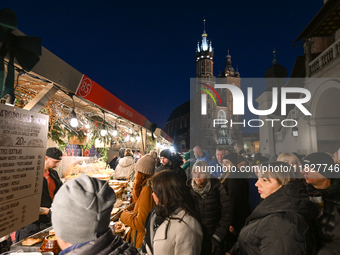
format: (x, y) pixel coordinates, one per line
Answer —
(172, 193)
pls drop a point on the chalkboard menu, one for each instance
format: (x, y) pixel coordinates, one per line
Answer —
(23, 136)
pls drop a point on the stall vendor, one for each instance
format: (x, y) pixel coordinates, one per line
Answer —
(51, 184)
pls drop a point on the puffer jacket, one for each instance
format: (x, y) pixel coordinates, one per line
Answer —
(280, 224)
(328, 224)
(107, 244)
(125, 167)
(213, 210)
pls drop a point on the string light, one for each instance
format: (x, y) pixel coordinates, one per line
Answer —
(103, 132)
(74, 120)
(115, 131)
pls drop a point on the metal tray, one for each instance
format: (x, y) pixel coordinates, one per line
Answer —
(33, 248)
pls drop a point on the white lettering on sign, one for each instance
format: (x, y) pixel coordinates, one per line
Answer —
(125, 111)
(85, 87)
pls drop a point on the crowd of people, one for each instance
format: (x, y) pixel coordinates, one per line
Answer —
(194, 203)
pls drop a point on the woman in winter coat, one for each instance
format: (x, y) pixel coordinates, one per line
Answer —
(212, 203)
(172, 227)
(126, 167)
(142, 197)
(280, 224)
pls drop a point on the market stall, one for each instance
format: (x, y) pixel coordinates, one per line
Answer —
(68, 109)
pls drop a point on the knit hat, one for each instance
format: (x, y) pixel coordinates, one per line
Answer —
(54, 152)
(146, 165)
(166, 153)
(81, 209)
(241, 152)
(320, 162)
(232, 157)
(188, 154)
(258, 158)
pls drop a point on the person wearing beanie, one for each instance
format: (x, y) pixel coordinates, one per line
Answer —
(323, 186)
(171, 161)
(237, 190)
(51, 184)
(165, 156)
(81, 218)
(189, 161)
(142, 201)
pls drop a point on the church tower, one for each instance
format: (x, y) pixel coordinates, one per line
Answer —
(204, 57)
(275, 76)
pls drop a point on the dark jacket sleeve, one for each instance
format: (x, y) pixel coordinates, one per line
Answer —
(281, 238)
(333, 248)
(236, 197)
(235, 250)
(224, 223)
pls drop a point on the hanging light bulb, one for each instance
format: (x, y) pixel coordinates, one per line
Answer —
(115, 131)
(74, 120)
(132, 139)
(127, 138)
(138, 138)
(103, 132)
(87, 126)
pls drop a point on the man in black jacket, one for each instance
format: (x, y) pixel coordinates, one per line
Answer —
(323, 185)
(51, 184)
(171, 161)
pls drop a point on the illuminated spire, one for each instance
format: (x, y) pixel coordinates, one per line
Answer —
(210, 46)
(204, 26)
(198, 47)
(274, 60)
(204, 38)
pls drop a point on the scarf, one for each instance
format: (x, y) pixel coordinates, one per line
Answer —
(201, 191)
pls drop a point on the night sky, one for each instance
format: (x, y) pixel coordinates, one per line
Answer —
(143, 52)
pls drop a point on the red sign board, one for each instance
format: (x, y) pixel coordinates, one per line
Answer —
(93, 92)
(167, 137)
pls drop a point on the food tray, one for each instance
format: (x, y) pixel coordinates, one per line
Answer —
(18, 245)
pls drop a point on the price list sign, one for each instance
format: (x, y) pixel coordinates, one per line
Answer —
(23, 136)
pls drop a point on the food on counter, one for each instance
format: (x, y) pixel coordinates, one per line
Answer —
(119, 226)
(51, 232)
(114, 211)
(118, 203)
(31, 241)
(95, 168)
